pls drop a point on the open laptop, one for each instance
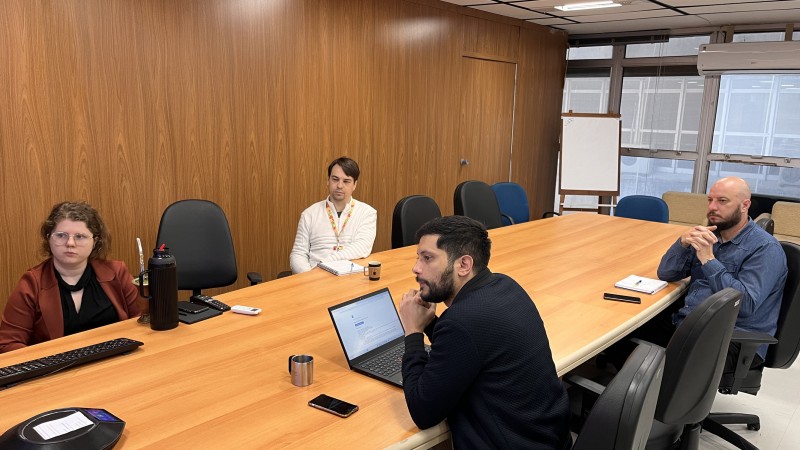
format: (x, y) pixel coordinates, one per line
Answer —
(372, 336)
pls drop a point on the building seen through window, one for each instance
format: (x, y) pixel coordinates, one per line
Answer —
(756, 123)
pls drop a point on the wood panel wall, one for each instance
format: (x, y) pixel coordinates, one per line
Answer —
(134, 104)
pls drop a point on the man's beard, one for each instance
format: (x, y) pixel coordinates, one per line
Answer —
(441, 290)
(730, 222)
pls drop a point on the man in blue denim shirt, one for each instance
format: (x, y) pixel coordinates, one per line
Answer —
(731, 252)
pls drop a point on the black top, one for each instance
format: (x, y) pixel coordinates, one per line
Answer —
(490, 371)
(96, 308)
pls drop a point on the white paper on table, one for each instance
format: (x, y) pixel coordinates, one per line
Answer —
(64, 425)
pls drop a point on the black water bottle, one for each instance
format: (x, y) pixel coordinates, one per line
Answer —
(163, 282)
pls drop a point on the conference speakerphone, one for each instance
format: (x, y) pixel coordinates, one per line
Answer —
(65, 429)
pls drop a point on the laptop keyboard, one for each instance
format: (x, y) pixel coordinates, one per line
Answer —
(387, 363)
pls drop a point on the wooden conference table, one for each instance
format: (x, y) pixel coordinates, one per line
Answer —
(223, 382)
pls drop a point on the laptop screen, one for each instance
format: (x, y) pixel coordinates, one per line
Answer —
(366, 323)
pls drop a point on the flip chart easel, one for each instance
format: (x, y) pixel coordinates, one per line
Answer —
(590, 157)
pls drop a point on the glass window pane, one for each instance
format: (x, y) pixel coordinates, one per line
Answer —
(783, 181)
(661, 112)
(602, 52)
(758, 115)
(676, 46)
(654, 176)
(763, 37)
(585, 94)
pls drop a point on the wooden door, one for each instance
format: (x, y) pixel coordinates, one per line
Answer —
(487, 120)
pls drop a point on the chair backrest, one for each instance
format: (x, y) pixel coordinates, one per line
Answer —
(782, 354)
(786, 216)
(513, 202)
(686, 208)
(643, 207)
(409, 215)
(695, 359)
(475, 199)
(197, 234)
(623, 414)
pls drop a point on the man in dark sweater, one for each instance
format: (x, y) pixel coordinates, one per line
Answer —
(490, 372)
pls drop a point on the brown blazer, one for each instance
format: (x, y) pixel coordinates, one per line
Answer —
(33, 312)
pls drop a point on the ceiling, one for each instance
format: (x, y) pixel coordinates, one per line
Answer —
(643, 15)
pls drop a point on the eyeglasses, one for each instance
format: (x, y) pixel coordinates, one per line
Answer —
(61, 238)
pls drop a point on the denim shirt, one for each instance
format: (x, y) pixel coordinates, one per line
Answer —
(753, 263)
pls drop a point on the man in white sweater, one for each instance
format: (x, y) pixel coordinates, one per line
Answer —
(339, 227)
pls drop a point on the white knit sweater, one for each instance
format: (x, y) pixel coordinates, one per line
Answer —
(315, 239)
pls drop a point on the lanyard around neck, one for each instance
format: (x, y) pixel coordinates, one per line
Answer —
(336, 231)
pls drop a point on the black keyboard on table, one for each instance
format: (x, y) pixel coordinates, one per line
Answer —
(47, 365)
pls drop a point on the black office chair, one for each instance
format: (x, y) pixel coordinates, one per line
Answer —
(475, 199)
(765, 223)
(780, 355)
(409, 215)
(643, 207)
(694, 362)
(622, 416)
(197, 234)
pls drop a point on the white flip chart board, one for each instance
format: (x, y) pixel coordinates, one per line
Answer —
(590, 149)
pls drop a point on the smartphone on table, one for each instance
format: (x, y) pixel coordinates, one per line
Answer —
(333, 405)
(621, 298)
(191, 308)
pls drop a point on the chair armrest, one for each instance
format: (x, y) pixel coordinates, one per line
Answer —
(748, 337)
(763, 216)
(585, 383)
(510, 220)
(583, 393)
(749, 342)
(638, 341)
(255, 278)
(765, 221)
(550, 214)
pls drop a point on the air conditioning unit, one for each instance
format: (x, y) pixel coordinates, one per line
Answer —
(749, 57)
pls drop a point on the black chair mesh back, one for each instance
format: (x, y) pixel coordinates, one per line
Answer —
(783, 354)
(622, 416)
(197, 234)
(409, 215)
(475, 199)
(695, 359)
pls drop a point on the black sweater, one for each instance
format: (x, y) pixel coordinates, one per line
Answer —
(490, 371)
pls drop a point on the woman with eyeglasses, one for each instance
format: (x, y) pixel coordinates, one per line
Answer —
(75, 288)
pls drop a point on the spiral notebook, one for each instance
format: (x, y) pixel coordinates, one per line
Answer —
(641, 284)
(342, 267)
